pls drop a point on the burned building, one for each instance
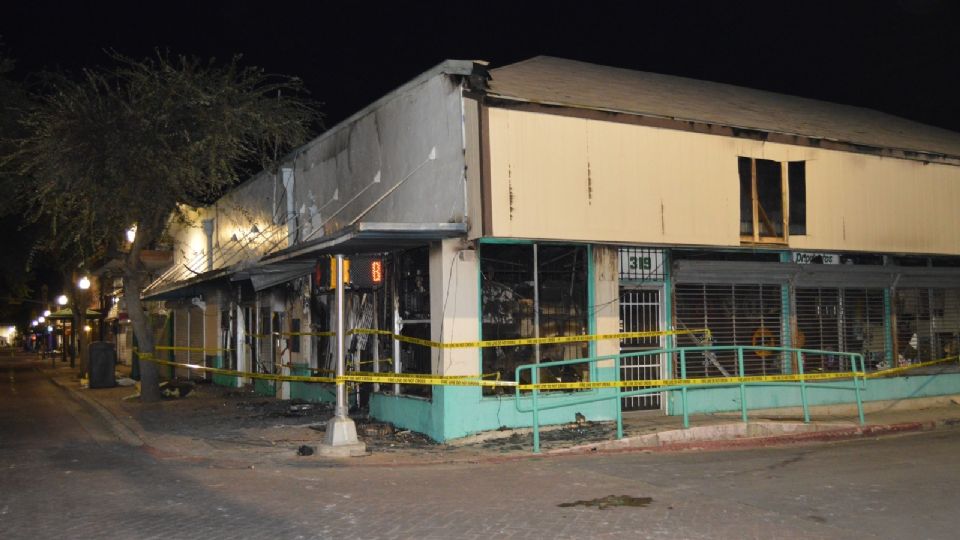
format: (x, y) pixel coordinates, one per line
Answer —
(554, 198)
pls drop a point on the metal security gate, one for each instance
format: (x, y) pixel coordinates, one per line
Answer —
(736, 314)
(640, 311)
(842, 320)
(928, 324)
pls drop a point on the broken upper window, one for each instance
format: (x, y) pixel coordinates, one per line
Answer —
(773, 200)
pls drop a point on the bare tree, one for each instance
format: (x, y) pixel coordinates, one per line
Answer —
(128, 144)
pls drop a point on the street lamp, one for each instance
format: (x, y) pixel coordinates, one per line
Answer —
(132, 234)
(41, 319)
(46, 313)
(62, 300)
(84, 283)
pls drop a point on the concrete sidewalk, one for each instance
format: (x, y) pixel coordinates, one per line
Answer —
(234, 427)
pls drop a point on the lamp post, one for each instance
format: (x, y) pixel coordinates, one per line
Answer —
(81, 301)
(62, 302)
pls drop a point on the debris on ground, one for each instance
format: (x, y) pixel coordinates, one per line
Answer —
(176, 388)
(610, 501)
(580, 432)
(126, 381)
(305, 450)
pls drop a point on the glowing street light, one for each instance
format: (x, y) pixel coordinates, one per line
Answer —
(84, 283)
(86, 328)
(62, 300)
(131, 234)
(46, 313)
(41, 319)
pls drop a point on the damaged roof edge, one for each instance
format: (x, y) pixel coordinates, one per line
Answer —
(447, 67)
(856, 146)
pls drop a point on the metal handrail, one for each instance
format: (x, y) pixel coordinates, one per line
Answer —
(856, 359)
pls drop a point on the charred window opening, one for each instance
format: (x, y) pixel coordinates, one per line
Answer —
(533, 291)
(413, 302)
(773, 199)
(294, 339)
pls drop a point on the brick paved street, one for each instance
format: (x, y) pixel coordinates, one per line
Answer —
(65, 475)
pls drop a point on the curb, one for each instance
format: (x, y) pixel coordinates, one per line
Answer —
(119, 429)
(759, 442)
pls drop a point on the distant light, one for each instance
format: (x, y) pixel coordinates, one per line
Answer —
(41, 319)
(49, 328)
(86, 328)
(46, 313)
(131, 234)
(84, 283)
(62, 300)
(34, 323)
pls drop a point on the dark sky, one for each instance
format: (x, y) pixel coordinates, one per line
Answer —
(899, 56)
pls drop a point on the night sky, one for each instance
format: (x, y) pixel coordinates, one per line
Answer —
(896, 56)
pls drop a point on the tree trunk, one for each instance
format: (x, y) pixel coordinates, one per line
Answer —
(149, 371)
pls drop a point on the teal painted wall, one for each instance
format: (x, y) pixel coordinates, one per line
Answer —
(316, 392)
(264, 388)
(221, 380)
(459, 411)
(711, 400)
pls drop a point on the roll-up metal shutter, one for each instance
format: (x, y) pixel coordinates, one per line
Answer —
(844, 275)
(937, 278)
(843, 320)
(733, 272)
(928, 323)
(181, 339)
(181, 335)
(264, 342)
(196, 335)
(736, 314)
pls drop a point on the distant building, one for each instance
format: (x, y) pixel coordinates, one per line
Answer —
(557, 198)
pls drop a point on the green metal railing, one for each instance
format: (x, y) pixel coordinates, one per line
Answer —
(801, 379)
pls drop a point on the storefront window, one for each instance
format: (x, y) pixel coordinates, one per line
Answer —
(529, 291)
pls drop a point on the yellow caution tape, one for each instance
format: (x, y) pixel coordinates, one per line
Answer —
(460, 380)
(190, 349)
(526, 341)
(902, 369)
(497, 342)
(586, 385)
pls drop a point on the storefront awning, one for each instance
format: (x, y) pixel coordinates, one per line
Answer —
(67, 314)
(369, 238)
(299, 260)
(264, 276)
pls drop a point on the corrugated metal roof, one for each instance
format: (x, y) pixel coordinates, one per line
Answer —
(558, 81)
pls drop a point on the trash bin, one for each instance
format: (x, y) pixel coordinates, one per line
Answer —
(103, 362)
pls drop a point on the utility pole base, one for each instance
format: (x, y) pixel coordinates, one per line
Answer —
(341, 440)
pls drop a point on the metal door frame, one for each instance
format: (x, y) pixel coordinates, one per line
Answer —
(661, 324)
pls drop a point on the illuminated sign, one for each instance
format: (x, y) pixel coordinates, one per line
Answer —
(376, 271)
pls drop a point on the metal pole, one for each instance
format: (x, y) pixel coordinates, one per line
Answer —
(535, 376)
(397, 324)
(683, 389)
(743, 387)
(803, 389)
(856, 386)
(341, 408)
(376, 341)
(616, 368)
